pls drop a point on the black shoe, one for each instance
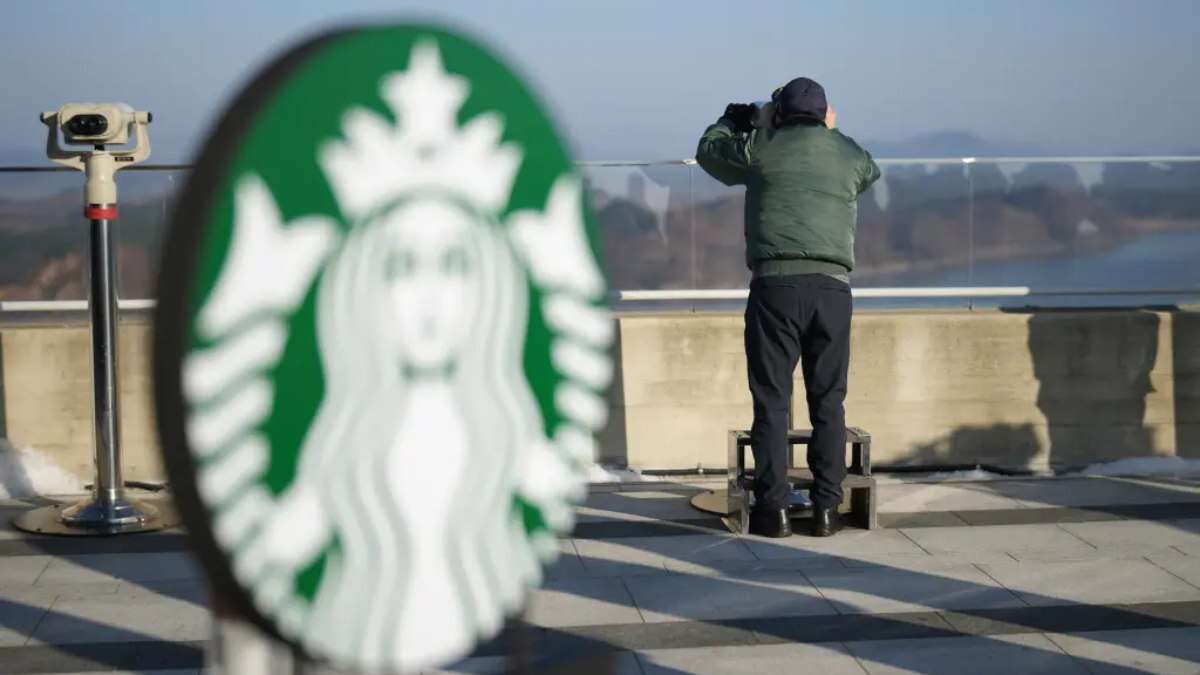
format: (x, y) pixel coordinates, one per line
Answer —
(773, 523)
(826, 522)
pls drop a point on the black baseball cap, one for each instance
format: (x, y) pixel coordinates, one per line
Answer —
(802, 98)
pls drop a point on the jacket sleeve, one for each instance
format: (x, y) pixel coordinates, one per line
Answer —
(868, 174)
(724, 154)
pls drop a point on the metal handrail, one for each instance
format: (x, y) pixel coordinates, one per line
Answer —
(69, 305)
(885, 161)
(723, 294)
(1111, 159)
(59, 169)
(950, 292)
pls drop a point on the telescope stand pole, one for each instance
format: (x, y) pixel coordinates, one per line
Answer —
(107, 511)
(110, 488)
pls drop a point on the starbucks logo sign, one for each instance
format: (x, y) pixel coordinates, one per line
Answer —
(381, 350)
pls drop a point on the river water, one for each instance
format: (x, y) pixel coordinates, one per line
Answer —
(1164, 260)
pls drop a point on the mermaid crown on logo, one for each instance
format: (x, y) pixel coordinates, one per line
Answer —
(426, 150)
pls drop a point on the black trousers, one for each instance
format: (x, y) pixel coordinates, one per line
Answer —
(806, 318)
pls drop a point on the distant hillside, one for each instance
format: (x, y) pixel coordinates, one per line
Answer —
(949, 144)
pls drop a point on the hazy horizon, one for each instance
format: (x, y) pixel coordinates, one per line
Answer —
(1086, 77)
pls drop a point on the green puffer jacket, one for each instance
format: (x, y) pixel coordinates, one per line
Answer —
(802, 187)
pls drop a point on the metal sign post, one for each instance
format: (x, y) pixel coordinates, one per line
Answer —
(108, 510)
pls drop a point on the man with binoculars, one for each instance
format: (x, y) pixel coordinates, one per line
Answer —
(803, 178)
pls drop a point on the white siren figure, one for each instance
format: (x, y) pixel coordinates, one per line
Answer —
(428, 430)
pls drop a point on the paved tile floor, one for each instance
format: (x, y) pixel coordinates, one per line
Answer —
(1068, 575)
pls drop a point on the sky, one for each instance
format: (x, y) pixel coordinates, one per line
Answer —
(640, 80)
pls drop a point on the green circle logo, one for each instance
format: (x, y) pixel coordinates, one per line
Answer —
(381, 349)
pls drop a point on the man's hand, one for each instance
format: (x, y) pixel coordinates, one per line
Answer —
(741, 116)
(830, 117)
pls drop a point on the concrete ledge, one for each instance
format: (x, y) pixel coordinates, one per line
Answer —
(46, 393)
(1014, 389)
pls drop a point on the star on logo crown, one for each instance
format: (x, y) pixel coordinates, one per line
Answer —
(425, 150)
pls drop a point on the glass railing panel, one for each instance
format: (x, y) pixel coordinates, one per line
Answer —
(914, 227)
(1046, 225)
(643, 213)
(147, 201)
(1087, 225)
(43, 237)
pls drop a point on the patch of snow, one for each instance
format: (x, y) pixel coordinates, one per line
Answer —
(25, 473)
(1086, 228)
(1145, 466)
(598, 473)
(973, 474)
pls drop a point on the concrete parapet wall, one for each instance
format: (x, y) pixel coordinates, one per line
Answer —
(46, 395)
(1015, 389)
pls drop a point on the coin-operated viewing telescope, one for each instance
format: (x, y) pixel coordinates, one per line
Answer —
(99, 125)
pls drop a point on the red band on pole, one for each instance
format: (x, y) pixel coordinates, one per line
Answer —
(100, 211)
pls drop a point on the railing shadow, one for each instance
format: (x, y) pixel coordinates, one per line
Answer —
(898, 625)
(98, 557)
(562, 647)
(121, 649)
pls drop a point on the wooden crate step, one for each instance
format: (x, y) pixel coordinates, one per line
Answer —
(858, 484)
(802, 479)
